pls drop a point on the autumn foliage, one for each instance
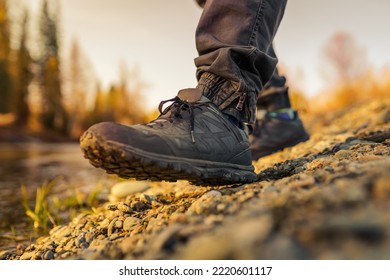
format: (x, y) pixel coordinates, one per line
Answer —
(44, 92)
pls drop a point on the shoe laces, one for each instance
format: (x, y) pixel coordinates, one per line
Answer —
(177, 108)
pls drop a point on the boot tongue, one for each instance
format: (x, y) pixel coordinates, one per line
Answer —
(192, 95)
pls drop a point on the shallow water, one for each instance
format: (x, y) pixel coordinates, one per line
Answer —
(31, 165)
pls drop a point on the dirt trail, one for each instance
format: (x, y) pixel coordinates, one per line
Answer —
(327, 198)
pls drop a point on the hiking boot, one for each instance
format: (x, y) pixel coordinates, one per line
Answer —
(190, 140)
(276, 131)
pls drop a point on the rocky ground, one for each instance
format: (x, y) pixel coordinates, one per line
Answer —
(327, 198)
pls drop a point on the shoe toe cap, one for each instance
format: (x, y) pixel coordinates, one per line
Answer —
(132, 136)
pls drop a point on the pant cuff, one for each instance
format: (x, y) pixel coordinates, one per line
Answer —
(274, 98)
(232, 98)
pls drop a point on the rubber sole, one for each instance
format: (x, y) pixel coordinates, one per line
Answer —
(128, 162)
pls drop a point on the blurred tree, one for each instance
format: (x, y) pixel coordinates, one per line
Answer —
(111, 103)
(346, 69)
(5, 50)
(344, 59)
(128, 104)
(100, 110)
(76, 101)
(119, 95)
(23, 77)
(99, 105)
(53, 115)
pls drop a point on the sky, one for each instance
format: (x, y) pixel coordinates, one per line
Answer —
(158, 38)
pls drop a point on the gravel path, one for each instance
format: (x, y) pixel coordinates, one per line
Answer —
(328, 198)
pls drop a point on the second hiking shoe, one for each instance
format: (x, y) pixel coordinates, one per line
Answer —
(275, 132)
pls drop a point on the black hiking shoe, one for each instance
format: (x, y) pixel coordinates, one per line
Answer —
(191, 140)
(275, 132)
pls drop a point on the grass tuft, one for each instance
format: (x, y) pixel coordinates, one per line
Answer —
(39, 214)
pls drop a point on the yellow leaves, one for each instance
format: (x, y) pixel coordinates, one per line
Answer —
(3, 15)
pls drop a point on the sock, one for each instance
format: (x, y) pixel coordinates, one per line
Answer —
(283, 114)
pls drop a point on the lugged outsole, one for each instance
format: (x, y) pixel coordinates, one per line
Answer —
(119, 159)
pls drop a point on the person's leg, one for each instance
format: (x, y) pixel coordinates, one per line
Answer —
(278, 126)
(234, 39)
(200, 136)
